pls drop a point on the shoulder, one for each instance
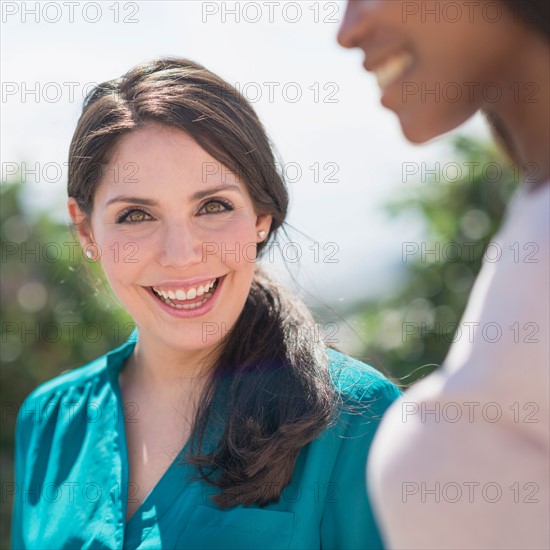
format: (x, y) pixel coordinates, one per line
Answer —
(358, 382)
(72, 386)
(364, 394)
(55, 400)
(69, 379)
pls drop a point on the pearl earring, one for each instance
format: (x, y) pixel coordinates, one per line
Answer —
(261, 233)
(90, 254)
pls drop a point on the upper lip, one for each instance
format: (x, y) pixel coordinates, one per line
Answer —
(182, 284)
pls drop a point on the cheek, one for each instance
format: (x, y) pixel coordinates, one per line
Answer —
(235, 244)
(432, 100)
(123, 257)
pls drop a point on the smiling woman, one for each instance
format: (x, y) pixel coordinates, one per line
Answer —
(223, 422)
(188, 231)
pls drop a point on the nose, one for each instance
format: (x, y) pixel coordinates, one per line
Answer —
(180, 246)
(356, 25)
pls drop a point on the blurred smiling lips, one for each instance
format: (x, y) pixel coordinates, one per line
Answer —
(390, 68)
(190, 298)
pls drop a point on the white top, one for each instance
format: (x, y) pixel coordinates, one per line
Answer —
(462, 459)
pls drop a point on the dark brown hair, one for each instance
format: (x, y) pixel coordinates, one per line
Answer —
(270, 391)
(536, 15)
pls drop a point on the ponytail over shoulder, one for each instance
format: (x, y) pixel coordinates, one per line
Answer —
(274, 382)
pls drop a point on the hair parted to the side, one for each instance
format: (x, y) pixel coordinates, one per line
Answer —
(271, 378)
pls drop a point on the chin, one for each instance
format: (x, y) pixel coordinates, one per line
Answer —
(416, 128)
(420, 127)
(422, 132)
(416, 135)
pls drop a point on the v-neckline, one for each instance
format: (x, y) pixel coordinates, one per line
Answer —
(174, 482)
(150, 496)
(120, 427)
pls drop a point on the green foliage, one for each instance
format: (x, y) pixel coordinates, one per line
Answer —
(409, 333)
(56, 314)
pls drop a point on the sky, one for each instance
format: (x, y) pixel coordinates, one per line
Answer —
(344, 155)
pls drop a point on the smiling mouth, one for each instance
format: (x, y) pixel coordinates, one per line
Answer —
(393, 68)
(189, 302)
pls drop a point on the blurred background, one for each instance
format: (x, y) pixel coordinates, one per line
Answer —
(384, 238)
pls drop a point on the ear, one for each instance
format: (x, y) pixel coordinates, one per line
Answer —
(263, 222)
(81, 223)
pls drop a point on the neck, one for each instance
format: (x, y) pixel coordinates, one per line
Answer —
(524, 110)
(165, 374)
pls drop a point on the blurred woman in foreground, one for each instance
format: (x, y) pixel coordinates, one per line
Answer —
(461, 461)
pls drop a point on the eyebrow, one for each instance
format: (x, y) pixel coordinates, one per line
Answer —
(152, 202)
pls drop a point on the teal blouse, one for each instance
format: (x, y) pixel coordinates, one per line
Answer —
(71, 474)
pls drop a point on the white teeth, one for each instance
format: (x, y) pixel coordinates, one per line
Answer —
(393, 68)
(187, 306)
(180, 294)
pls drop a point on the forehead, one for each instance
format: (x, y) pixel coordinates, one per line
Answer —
(157, 157)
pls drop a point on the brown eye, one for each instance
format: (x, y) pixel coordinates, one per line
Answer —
(216, 206)
(133, 215)
(213, 207)
(136, 216)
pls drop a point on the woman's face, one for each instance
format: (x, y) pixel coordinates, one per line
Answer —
(170, 222)
(437, 63)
